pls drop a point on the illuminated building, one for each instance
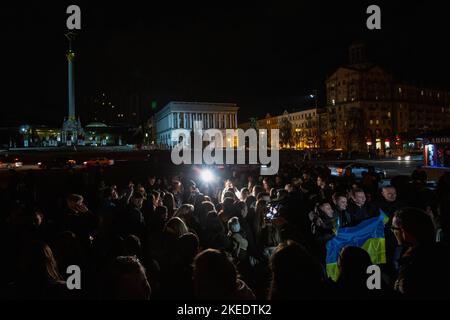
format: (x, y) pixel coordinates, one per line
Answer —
(186, 115)
(368, 110)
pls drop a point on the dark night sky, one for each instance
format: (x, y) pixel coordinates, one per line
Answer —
(263, 56)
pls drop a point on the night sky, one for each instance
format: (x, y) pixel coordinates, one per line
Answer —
(263, 56)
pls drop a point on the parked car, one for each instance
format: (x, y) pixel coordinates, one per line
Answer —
(10, 163)
(59, 163)
(357, 169)
(410, 157)
(99, 162)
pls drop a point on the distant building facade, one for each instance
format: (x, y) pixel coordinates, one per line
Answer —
(305, 127)
(367, 110)
(185, 115)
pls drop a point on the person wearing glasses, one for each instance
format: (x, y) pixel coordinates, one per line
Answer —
(388, 205)
(424, 263)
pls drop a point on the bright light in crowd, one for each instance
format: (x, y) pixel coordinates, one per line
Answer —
(311, 96)
(206, 175)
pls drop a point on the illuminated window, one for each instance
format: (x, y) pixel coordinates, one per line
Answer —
(371, 121)
(400, 90)
(378, 122)
(389, 114)
(421, 92)
(333, 102)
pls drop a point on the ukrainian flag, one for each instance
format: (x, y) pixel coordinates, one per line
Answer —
(368, 235)
(385, 216)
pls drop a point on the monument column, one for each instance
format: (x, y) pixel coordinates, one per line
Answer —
(71, 85)
(71, 127)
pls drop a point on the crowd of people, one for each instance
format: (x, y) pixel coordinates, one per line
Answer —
(241, 237)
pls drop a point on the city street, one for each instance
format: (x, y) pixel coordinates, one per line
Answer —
(391, 167)
(139, 161)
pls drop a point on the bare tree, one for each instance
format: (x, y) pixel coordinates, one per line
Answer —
(285, 132)
(354, 129)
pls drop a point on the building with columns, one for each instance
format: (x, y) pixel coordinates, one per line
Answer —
(188, 115)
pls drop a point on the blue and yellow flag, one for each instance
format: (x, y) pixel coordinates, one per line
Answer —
(385, 216)
(368, 235)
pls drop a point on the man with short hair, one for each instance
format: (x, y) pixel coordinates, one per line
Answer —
(340, 203)
(177, 191)
(323, 226)
(150, 184)
(389, 205)
(278, 182)
(424, 264)
(131, 219)
(359, 209)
